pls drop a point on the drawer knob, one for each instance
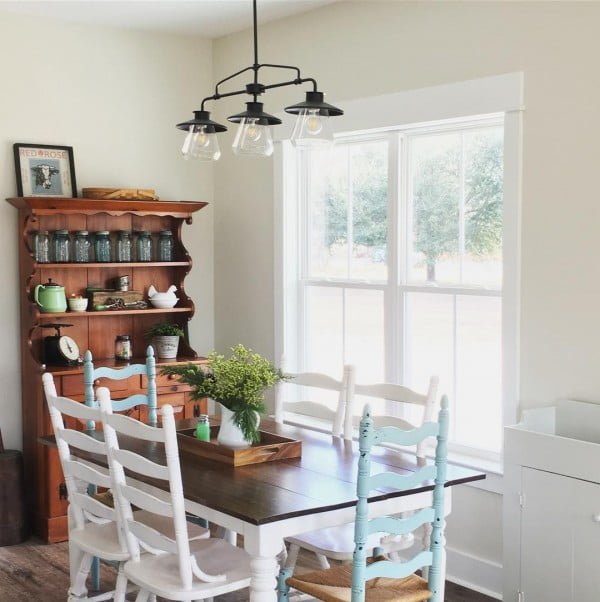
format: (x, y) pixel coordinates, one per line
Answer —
(596, 518)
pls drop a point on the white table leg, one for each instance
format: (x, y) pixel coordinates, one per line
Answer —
(264, 545)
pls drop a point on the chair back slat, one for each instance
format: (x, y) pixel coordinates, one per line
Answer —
(398, 570)
(400, 526)
(93, 507)
(82, 441)
(91, 374)
(134, 428)
(141, 465)
(87, 474)
(74, 409)
(122, 405)
(391, 434)
(361, 572)
(151, 539)
(146, 501)
(338, 421)
(391, 392)
(400, 481)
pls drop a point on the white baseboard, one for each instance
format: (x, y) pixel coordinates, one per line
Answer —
(483, 576)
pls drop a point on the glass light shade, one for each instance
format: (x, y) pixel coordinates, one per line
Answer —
(253, 138)
(312, 129)
(201, 144)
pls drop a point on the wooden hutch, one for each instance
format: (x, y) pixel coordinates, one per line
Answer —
(94, 330)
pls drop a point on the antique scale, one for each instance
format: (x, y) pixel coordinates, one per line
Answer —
(60, 349)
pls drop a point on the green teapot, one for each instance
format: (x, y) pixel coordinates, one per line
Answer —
(50, 297)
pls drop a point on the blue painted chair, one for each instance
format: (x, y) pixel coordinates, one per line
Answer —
(90, 375)
(353, 583)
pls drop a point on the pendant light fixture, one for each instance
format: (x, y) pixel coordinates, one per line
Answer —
(254, 136)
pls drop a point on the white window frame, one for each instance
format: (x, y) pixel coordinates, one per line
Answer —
(485, 97)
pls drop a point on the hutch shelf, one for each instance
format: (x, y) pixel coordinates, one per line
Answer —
(94, 330)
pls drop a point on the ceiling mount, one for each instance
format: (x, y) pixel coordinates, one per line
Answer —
(254, 135)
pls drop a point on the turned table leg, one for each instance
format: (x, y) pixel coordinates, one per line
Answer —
(263, 545)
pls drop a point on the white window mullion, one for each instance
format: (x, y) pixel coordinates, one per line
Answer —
(461, 210)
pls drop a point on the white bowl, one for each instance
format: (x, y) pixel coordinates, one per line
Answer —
(77, 303)
(164, 303)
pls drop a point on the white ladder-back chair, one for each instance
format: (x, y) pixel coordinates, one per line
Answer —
(338, 421)
(173, 567)
(93, 528)
(337, 543)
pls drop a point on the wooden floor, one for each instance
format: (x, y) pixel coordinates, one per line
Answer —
(36, 572)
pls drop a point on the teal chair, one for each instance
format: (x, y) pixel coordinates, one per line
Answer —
(357, 582)
(90, 374)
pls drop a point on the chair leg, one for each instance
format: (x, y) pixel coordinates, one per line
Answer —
(426, 540)
(95, 574)
(292, 557)
(322, 560)
(143, 596)
(121, 585)
(283, 588)
(80, 563)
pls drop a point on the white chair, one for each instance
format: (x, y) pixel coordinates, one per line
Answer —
(312, 414)
(174, 568)
(337, 543)
(95, 529)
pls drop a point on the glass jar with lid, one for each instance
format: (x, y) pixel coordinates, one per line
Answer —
(102, 247)
(123, 350)
(165, 245)
(81, 245)
(62, 246)
(123, 246)
(144, 246)
(41, 246)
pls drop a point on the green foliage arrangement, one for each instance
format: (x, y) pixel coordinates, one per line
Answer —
(237, 382)
(164, 329)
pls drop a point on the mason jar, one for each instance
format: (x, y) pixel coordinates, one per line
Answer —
(102, 246)
(81, 246)
(41, 246)
(123, 350)
(62, 246)
(144, 246)
(165, 245)
(124, 246)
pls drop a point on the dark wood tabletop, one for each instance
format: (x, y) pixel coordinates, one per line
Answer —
(322, 479)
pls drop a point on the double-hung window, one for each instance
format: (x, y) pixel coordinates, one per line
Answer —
(394, 256)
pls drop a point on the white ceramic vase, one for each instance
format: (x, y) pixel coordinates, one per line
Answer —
(230, 434)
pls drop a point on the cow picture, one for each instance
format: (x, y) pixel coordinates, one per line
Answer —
(42, 175)
(45, 170)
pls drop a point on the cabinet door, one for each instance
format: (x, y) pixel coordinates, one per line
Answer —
(560, 538)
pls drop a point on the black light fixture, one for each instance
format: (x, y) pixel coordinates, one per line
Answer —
(254, 135)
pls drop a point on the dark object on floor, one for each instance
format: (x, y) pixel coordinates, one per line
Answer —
(13, 524)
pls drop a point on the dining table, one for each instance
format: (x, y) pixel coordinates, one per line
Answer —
(269, 501)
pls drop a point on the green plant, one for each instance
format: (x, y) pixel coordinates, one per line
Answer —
(164, 329)
(237, 382)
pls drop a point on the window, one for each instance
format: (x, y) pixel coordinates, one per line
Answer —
(396, 265)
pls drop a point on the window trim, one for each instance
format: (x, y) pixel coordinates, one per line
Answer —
(485, 97)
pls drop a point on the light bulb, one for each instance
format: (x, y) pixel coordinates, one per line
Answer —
(312, 129)
(314, 123)
(253, 138)
(200, 143)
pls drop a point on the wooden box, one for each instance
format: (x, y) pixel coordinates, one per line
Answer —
(100, 297)
(270, 448)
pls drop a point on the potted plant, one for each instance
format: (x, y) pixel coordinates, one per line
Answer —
(238, 383)
(165, 339)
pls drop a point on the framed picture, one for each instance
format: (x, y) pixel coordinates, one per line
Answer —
(45, 170)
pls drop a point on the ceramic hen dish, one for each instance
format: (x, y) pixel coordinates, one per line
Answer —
(164, 300)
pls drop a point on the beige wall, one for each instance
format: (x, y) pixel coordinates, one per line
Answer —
(114, 95)
(358, 49)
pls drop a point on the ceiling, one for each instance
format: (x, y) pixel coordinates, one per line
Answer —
(207, 18)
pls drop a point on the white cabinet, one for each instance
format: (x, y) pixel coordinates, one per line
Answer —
(560, 538)
(552, 505)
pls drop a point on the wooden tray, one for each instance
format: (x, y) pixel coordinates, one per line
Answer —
(129, 194)
(270, 448)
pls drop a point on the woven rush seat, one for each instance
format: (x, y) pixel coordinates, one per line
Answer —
(334, 585)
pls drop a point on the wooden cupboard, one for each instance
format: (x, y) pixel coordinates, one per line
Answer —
(94, 330)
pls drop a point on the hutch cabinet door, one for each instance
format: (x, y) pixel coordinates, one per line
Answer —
(560, 538)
